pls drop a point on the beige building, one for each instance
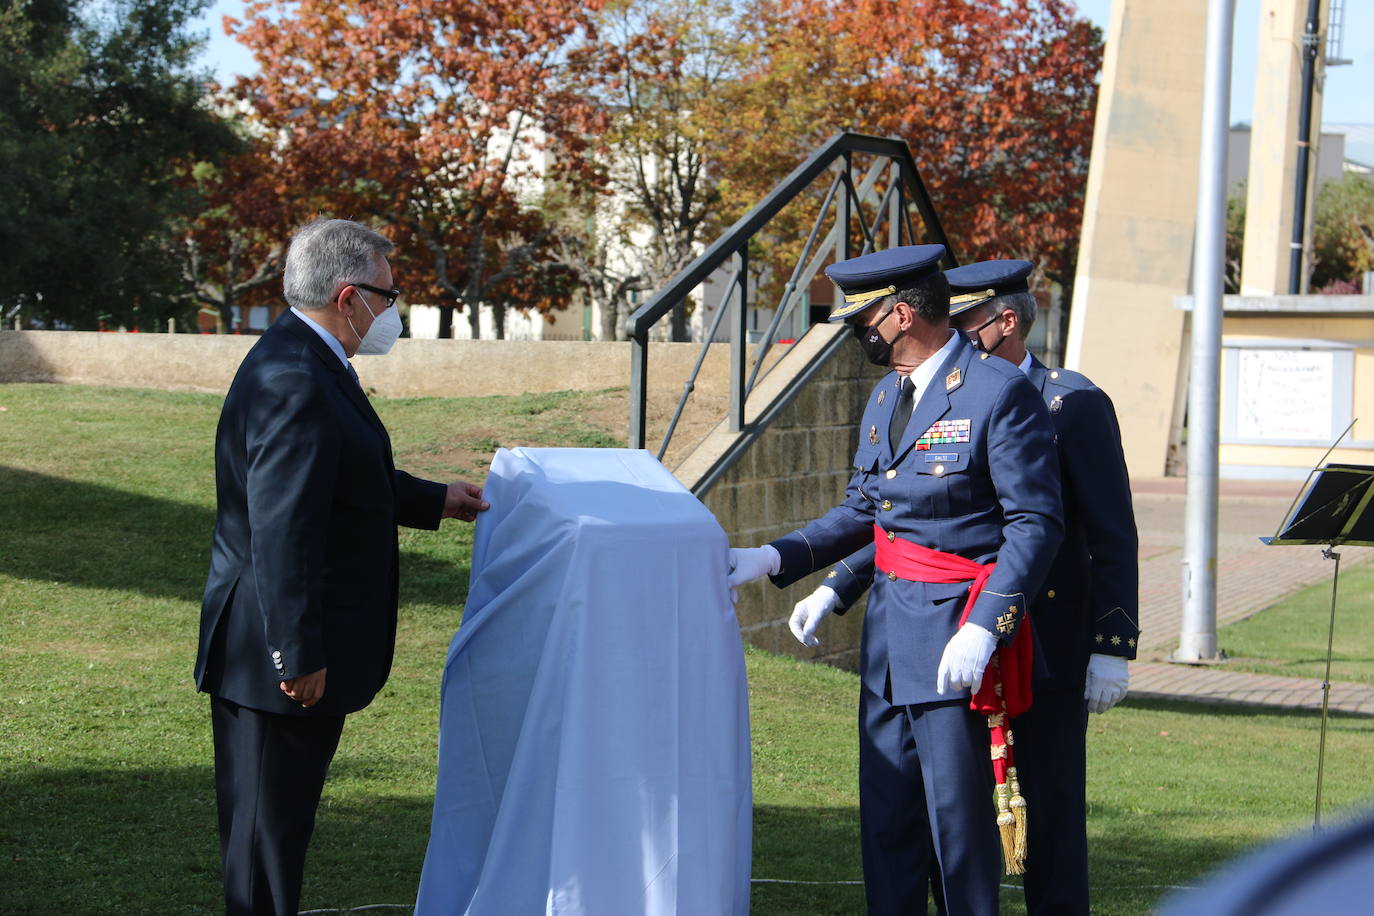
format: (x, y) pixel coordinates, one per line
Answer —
(1296, 372)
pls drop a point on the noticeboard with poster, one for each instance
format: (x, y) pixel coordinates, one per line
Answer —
(1286, 392)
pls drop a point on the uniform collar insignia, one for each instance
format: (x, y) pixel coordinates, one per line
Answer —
(952, 380)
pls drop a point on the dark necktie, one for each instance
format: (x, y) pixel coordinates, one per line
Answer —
(901, 414)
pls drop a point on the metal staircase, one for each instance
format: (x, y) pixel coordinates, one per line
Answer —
(874, 187)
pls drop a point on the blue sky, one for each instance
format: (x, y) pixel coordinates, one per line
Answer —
(1348, 100)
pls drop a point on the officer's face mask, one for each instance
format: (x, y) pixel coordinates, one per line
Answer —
(382, 333)
(975, 335)
(878, 350)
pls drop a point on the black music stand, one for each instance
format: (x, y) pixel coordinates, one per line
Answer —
(1332, 508)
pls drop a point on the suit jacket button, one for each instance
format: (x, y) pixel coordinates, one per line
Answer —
(1049, 594)
(892, 577)
(892, 473)
(887, 505)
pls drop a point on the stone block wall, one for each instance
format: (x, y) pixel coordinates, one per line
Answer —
(795, 471)
(414, 368)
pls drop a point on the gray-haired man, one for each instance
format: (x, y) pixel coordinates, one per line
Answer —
(298, 622)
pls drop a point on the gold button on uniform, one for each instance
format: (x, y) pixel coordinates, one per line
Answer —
(982, 356)
(892, 577)
(1049, 594)
(1054, 374)
(939, 469)
(892, 473)
(887, 505)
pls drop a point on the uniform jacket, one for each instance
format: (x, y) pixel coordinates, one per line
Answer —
(1088, 603)
(303, 564)
(975, 474)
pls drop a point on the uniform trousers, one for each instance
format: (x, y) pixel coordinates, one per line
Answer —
(1051, 753)
(925, 801)
(269, 773)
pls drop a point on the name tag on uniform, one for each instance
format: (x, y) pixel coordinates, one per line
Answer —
(942, 456)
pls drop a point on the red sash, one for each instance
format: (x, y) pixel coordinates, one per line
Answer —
(1006, 688)
(922, 564)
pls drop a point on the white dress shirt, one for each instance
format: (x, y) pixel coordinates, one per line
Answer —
(328, 338)
(920, 379)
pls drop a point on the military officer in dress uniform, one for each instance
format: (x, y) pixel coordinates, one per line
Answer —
(955, 469)
(1085, 616)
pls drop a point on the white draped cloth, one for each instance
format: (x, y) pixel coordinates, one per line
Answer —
(594, 725)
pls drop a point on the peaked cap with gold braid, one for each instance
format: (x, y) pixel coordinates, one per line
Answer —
(974, 284)
(866, 279)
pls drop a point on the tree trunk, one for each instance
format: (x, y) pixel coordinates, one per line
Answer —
(445, 322)
(498, 320)
(678, 321)
(475, 320)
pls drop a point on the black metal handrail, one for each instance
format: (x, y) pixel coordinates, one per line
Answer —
(733, 244)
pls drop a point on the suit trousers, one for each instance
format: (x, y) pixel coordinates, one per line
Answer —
(1051, 752)
(269, 773)
(925, 801)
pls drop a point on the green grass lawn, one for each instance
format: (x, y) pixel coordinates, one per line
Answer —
(106, 797)
(1290, 637)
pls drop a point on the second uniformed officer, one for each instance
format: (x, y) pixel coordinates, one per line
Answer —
(955, 469)
(1085, 616)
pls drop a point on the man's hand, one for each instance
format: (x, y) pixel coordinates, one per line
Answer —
(464, 501)
(965, 659)
(306, 689)
(1108, 678)
(750, 563)
(810, 611)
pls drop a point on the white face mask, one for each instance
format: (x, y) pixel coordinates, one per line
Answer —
(380, 337)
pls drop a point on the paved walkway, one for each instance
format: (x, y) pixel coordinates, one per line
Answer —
(1250, 577)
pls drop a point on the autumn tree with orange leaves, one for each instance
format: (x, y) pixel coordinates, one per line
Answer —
(995, 98)
(230, 252)
(438, 121)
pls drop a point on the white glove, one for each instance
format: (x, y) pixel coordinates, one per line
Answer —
(964, 660)
(750, 563)
(1107, 681)
(810, 611)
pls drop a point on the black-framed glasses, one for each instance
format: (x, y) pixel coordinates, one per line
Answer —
(974, 332)
(391, 294)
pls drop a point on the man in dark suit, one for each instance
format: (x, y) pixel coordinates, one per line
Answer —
(298, 622)
(1085, 615)
(955, 470)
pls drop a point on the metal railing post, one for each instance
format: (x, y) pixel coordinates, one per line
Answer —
(846, 203)
(639, 388)
(738, 344)
(898, 202)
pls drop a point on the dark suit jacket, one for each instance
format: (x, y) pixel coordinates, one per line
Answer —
(303, 566)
